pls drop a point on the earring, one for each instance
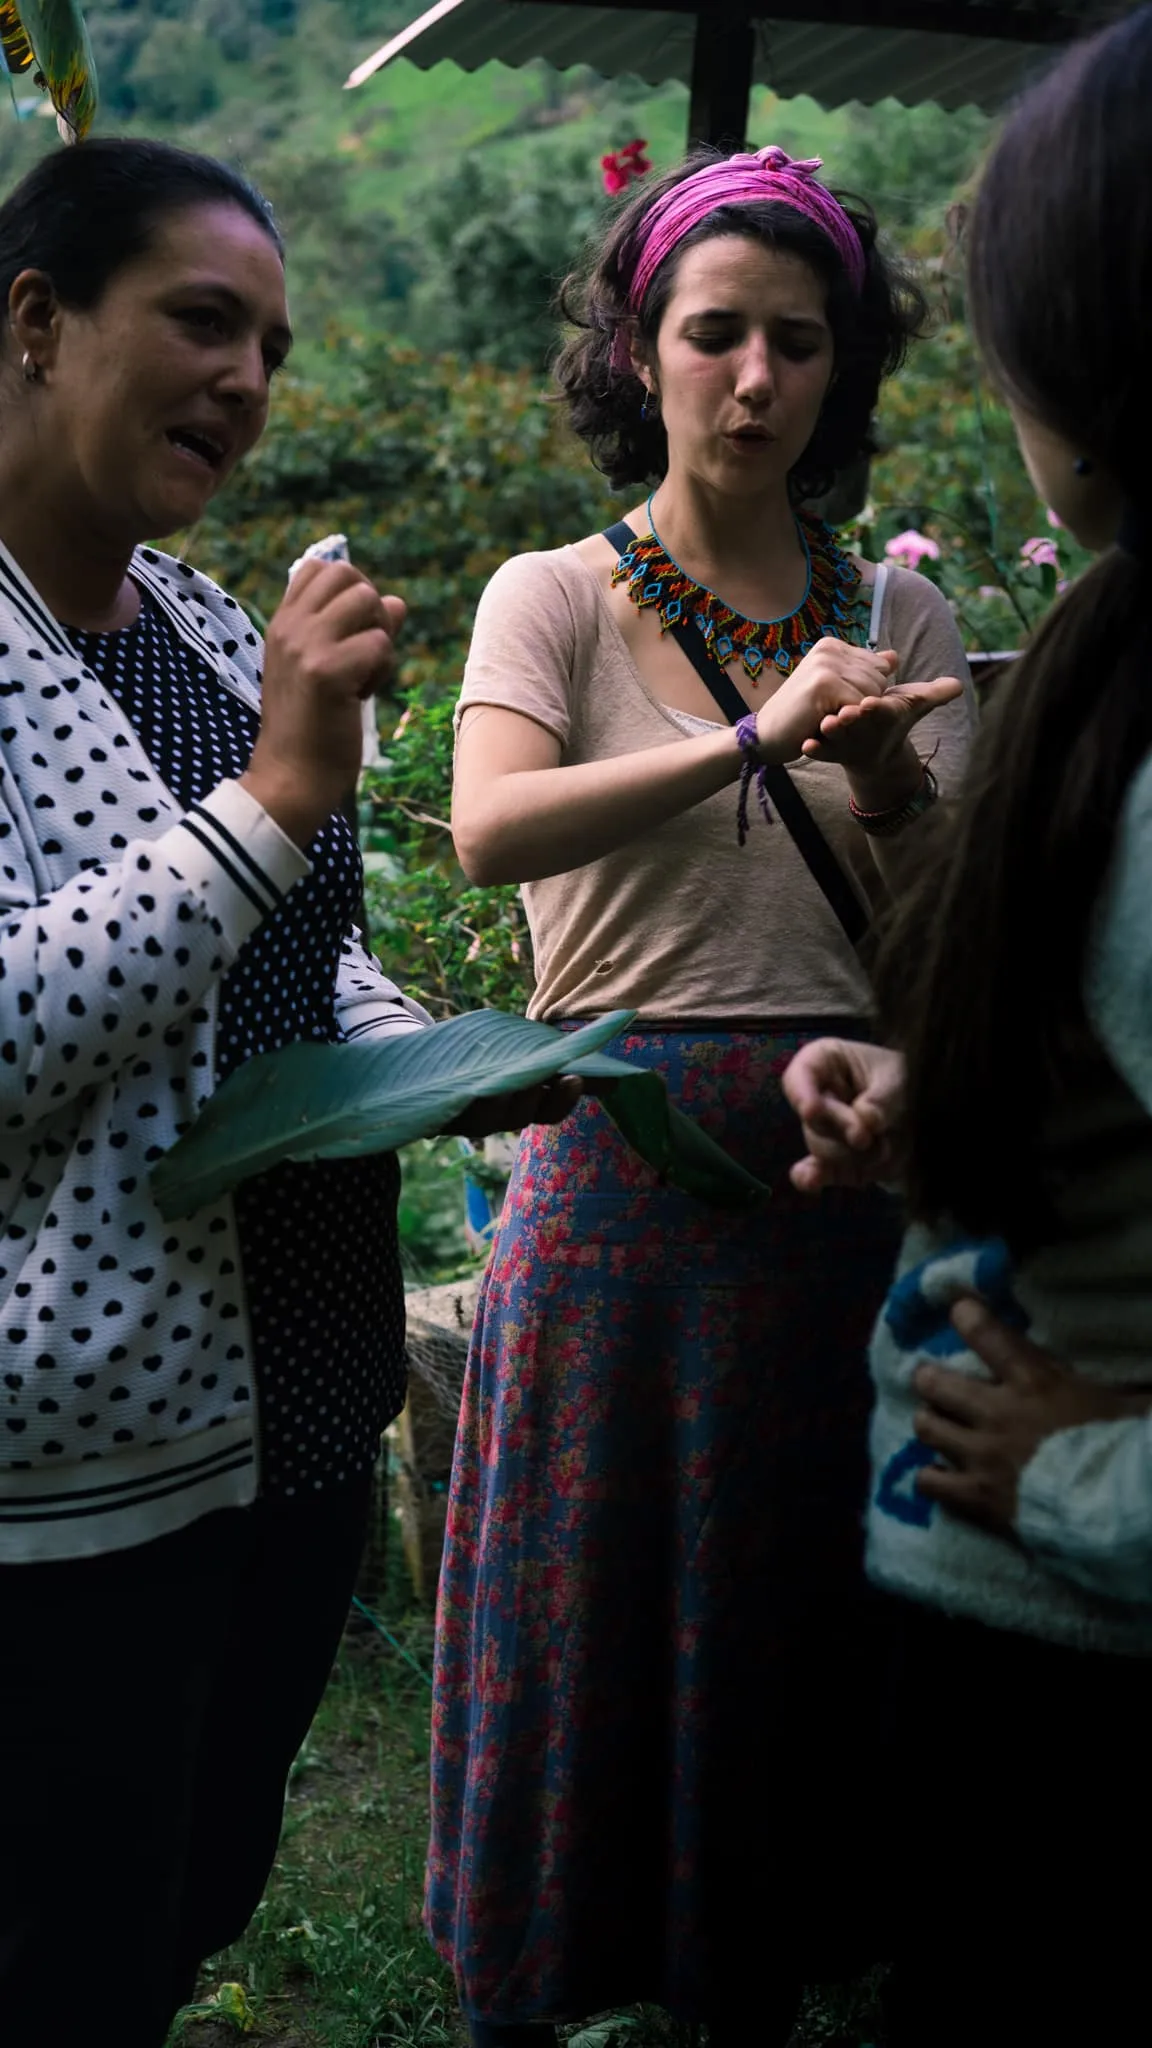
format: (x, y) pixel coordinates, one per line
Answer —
(650, 410)
(30, 369)
(1083, 465)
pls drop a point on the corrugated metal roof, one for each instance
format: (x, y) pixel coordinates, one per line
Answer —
(832, 62)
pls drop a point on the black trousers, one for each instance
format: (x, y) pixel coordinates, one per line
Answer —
(151, 1704)
(1012, 1819)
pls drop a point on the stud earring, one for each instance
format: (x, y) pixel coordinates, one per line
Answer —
(30, 369)
(1083, 465)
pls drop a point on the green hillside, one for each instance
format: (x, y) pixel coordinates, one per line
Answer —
(374, 185)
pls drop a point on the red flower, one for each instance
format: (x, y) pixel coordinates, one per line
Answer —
(622, 165)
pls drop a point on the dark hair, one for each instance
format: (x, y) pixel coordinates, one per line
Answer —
(982, 977)
(870, 331)
(82, 213)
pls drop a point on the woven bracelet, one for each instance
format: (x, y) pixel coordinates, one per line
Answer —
(748, 740)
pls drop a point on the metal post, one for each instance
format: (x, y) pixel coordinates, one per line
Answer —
(721, 79)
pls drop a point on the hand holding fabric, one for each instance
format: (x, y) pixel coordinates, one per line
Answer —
(989, 1430)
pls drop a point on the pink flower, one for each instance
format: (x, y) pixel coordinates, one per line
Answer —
(989, 590)
(911, 548)
(1041, 553)
(1054, 518)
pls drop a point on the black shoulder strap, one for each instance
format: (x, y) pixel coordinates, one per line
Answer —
(811, 844)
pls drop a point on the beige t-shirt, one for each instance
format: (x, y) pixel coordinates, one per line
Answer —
(682, 924)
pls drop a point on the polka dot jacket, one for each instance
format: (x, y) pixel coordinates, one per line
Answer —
(156, 930)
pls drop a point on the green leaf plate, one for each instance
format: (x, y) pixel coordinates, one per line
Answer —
(341, 1101)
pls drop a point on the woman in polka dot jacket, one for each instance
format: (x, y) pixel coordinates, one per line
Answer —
(189, 1414)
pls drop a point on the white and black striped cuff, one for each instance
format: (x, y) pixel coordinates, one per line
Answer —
(243, 865)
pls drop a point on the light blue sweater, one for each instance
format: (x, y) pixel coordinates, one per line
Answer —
(1079, 1570)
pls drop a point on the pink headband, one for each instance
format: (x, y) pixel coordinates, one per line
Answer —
(739, 181)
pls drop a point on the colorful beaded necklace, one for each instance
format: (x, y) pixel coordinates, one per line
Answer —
(830, 597)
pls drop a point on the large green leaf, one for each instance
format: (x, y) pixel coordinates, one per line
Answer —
(51, 35)
(340, 1101)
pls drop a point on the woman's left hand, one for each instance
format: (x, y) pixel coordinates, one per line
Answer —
(550, 1103)
(989, 1430)
(870, 735)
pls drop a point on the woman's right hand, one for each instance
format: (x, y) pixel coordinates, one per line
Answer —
(832, 675)
(850, 1100)
(329, 646)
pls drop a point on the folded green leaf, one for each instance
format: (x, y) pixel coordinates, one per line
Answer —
(637, 1101)
(341, 1101)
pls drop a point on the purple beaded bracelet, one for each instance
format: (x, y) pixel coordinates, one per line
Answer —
(748, 740)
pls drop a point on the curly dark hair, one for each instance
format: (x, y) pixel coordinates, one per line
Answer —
(871, 332)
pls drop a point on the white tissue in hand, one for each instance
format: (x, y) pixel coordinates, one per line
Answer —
(334, 548)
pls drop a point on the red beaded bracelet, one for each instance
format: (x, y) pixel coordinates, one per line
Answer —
(881, 823)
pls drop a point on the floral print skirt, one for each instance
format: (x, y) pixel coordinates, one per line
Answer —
(654, 1667)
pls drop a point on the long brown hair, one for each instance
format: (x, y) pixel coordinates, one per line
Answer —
(982, 975)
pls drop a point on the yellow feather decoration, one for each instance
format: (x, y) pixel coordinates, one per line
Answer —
(51, 36)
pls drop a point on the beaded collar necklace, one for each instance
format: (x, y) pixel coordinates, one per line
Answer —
(654, 578)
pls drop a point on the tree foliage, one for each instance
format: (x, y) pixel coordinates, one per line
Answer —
(500, 245)
(909, 161)
(174, 77)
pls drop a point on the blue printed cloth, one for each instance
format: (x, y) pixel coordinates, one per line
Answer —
(1081, 1520)
(914, 1329)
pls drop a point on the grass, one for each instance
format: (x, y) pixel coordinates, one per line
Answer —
(335, 1956)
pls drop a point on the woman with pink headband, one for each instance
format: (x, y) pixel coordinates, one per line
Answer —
(652, 1658)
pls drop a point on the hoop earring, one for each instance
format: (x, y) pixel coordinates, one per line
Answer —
(1084, 466)
(29, 368)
